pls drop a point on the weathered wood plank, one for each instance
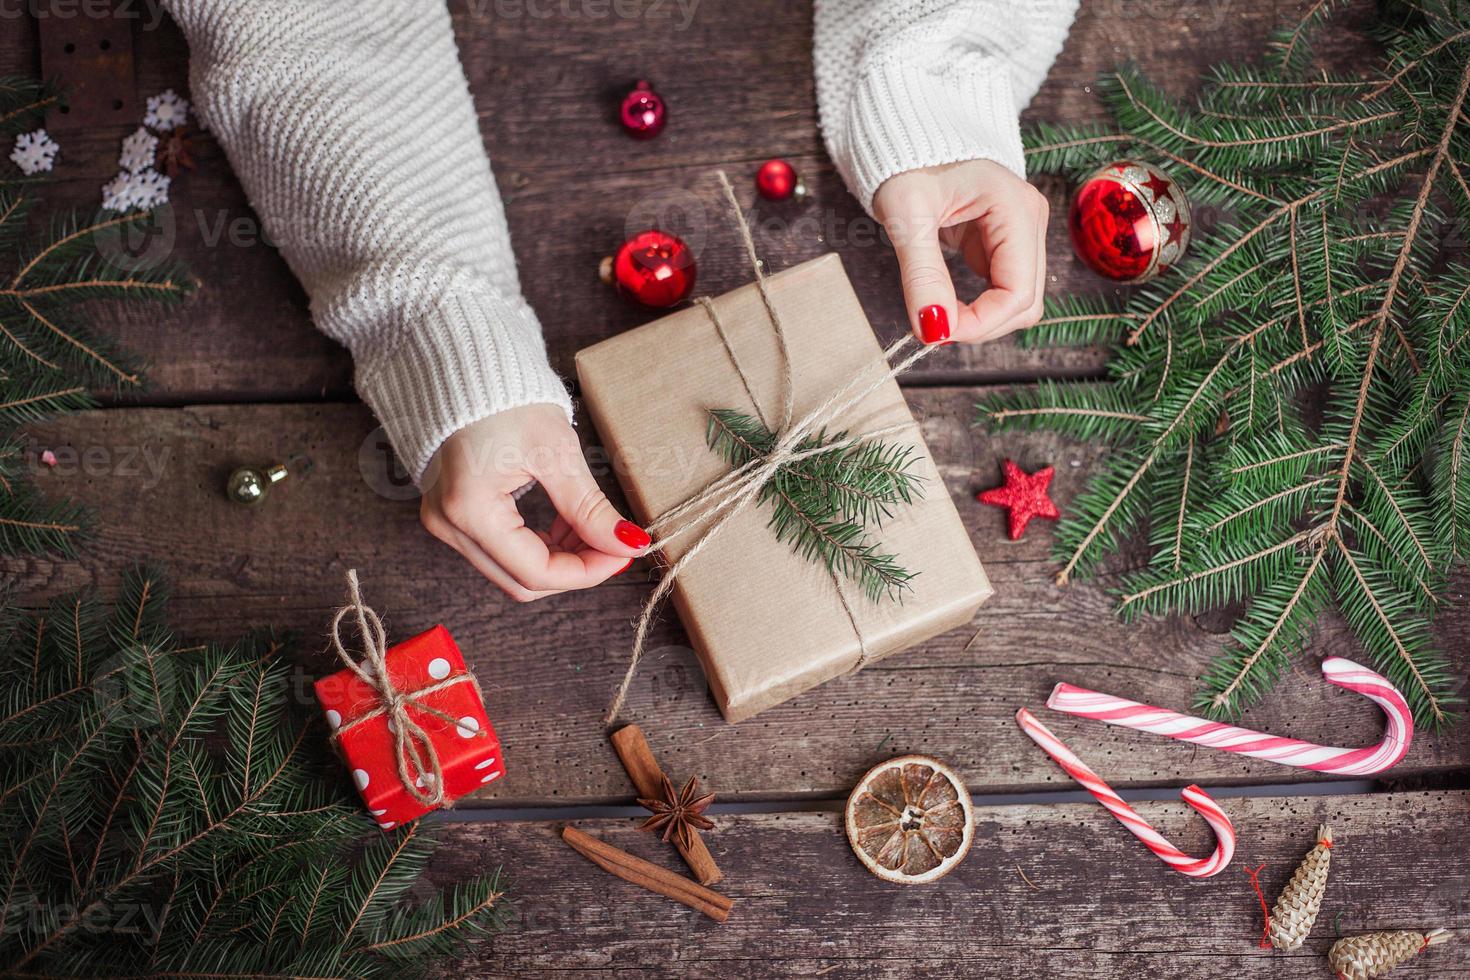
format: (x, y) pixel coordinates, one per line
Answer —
(546, 83)
(1098, 904)
(155, 477)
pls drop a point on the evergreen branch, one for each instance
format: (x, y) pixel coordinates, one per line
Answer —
(1422, 690)
(1242, 671)
(1159, 443)
(91, 352)
(484, 905)
(1183, 506)
(1394, 279)
(72, 237)
(1198, 141)
(165, 287)
(1267, 501)
(1225, 574)
(20, 346)
(1296, 278)
(404, 839)
(1287, 457)
(31, 108)
(1428, 53)
(822, 502)
(1411, 533)
(1288, 47)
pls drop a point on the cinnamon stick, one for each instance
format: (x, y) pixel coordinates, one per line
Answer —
(633, 749)
(650, 876)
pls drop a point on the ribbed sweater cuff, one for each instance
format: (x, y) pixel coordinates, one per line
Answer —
(903, 118)
(470, 357)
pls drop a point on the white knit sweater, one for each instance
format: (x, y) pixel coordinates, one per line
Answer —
(350, 124)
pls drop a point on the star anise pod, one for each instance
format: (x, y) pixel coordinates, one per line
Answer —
(678, 814)
(176, 151)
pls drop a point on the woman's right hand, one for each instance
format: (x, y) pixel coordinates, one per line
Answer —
(470, 505)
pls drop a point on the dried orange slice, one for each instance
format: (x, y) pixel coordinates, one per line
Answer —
(910, 820)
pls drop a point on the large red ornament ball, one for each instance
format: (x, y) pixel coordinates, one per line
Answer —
(654, 268)
(643, 113)
(1130, 221)
(776, 180)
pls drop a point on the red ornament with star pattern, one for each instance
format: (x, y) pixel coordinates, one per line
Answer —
(1130, 221)
(1024, 495)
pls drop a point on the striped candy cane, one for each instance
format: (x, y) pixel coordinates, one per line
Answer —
(1152, 839)
(1273, 748)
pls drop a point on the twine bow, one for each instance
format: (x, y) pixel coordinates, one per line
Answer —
(418, 760)
(713, 508)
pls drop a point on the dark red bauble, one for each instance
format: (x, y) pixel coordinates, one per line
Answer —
(1130, 221)
(776, 180)
(654, 268)
(643, 113)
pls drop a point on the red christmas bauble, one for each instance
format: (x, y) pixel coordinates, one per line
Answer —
(1130, 221)
(643, 113)
(776, 180)
(654, 268)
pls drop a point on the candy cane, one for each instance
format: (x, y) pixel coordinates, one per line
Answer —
(1166, 852)
(1273, 748)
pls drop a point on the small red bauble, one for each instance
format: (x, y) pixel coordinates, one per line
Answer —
(1130, 221)
(654, 268)
(643, 113)
(776, 180)
(1024, 495)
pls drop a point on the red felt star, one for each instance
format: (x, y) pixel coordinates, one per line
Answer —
(1024, 494)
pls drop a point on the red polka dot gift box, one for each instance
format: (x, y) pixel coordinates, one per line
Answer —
(440, 697)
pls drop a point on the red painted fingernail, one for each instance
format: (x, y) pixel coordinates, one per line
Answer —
(934, 324)
(624, 568)
(631, 535)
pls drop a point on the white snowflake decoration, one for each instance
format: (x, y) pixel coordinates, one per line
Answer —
(34, 153)
(138, 151)
(166, 110)
(143, 190)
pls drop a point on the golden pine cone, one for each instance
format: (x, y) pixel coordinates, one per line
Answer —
(1296, 910)
(1374, 954)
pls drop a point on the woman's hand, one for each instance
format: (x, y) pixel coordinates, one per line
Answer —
(994, 219)
(470, 505)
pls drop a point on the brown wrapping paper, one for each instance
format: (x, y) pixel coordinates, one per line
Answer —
(767, 623)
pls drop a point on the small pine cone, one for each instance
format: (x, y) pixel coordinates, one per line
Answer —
(1296, 910)
(1373, 955)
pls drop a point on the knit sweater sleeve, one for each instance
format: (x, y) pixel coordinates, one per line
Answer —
(904, 84)
(350, 124)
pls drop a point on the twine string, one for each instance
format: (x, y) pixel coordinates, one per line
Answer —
(413, 749)
(1255, 876)
(723, 499)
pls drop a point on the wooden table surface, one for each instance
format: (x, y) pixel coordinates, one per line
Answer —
(1051, 887)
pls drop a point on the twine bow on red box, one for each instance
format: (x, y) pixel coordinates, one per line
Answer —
(418, 764)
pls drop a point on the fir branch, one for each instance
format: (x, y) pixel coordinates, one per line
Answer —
(1288, 407)
(823, 503)
(1266, 638)
(107, 815)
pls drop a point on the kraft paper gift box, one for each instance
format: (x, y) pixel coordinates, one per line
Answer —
(766, 623)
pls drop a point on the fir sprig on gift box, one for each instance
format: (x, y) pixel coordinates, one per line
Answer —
(1289, 408)
(50, 359)
(825, 504)
(165, 811)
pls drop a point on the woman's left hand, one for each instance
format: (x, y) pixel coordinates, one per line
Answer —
(994, 219)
